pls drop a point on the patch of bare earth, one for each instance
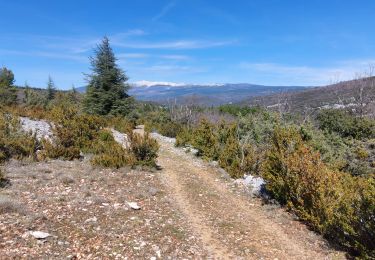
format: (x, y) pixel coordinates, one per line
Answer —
(86, 213)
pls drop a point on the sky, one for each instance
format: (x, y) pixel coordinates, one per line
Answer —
(270, 42)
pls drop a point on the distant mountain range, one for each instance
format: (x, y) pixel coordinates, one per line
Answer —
(347, 94)
(202, 94)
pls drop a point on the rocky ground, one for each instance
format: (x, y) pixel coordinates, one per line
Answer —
(189, 209)
(87, 215)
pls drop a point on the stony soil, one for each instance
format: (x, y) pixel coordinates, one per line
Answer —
(189, 210)
(86, 212)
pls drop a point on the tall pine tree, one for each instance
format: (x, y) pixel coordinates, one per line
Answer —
(51, 90)
(107, 87)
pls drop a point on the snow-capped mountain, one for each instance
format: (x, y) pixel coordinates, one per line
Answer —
(203, 94)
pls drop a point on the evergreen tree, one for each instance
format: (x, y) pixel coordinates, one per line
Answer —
(107, 87)
(74, 90)
(8, 93)
(27, 94)
(51, 90)
(73, 95)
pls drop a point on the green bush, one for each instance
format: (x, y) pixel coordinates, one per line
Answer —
(13, 142)
(345, 124)
(108, 153)
(333, 203)
(236, 110)
(161, 122)
(73, 132)
(121, 124)
(144, 148)
(205, 140)
(184, 137)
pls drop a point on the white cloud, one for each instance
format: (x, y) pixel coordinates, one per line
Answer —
(174, 57)
(132, 55)
(182, 44)
(147, 55)
(46, 54)
(164, 11)
(169, 68)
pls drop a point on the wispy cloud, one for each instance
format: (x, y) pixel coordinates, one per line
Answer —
(169, 68)
(147, 55)
(307, 75)
(181, 44)
(164, 11)
(132, 32)
(174, 57)
(74, 45)
(45, 54)
(132, 55)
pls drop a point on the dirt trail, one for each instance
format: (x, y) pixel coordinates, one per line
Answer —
(231, 224)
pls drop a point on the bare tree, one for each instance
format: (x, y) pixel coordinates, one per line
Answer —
(283, 103)
(335, 80)
(364, 83)
(180, 113)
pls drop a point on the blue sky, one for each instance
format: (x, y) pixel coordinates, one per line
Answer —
(194, 41)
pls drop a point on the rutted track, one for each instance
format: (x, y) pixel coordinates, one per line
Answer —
(229, 223)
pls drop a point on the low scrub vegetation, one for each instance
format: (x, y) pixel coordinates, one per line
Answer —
(75, 133)
(109, 153)
(336, 204)
(320, 172)
(144, 149)
(13, 142)
(346, 125)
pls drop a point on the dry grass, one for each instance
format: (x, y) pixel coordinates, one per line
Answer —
(8, 205)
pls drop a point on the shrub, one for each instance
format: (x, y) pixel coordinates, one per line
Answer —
(13, 142)
(170, 129)
(73, 132)
(144, 149)
(236, 110)
(52, 150)
(184, 137)
(33, 112)
(333, 203)
(121, 124)
(235, 156)
(205, 140)
(345, 124)
(161, 122)
(108, 153)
